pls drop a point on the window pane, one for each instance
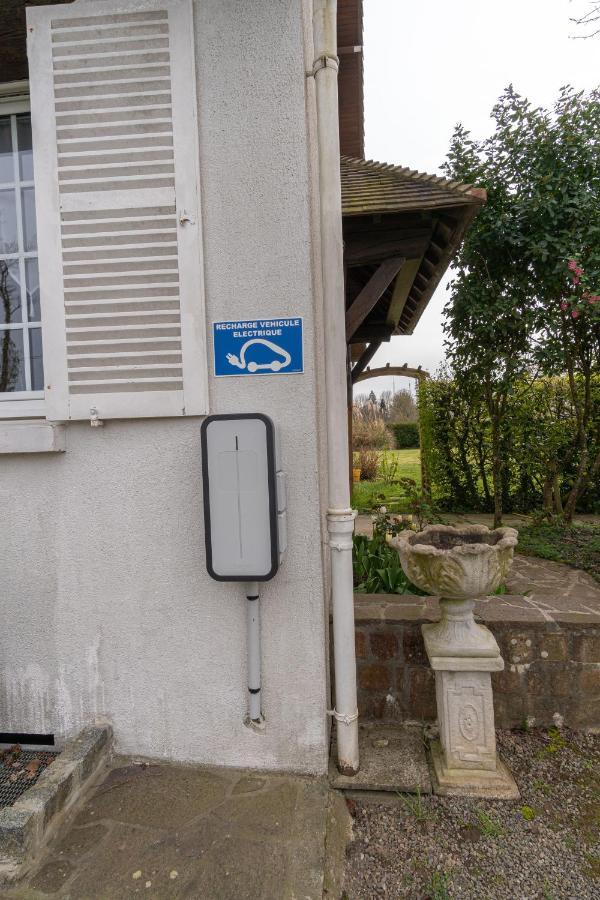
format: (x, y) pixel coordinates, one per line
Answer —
(12, 367)
(7, 172)
(25, 147)
(35, 354)
(10, 292)
(29, 226)
(8, 222)
(32, 280)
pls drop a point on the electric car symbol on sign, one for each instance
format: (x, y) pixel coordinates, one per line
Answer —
(275, 365)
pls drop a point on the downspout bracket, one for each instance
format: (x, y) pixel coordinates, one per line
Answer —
(326, 61)
(341, 718)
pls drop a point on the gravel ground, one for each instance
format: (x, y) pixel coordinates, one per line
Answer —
(545, 845)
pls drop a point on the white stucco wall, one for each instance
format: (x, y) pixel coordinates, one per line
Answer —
(107, 610)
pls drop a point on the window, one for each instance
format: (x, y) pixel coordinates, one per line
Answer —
(21, 368)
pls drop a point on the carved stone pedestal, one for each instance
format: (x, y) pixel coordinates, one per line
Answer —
(462, 564)
(465, 762)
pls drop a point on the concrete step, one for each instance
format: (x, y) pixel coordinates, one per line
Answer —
(392, 758)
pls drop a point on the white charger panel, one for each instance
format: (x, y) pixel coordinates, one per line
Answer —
(244, 497)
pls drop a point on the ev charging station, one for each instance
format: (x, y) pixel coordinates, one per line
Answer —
(244, 517)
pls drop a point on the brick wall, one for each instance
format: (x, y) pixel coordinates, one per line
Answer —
(551, 666)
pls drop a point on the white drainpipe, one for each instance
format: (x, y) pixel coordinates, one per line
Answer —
(340, 518)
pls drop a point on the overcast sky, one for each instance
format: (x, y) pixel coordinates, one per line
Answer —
(429, 65)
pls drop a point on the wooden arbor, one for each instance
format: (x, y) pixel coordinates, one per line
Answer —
(420, 375)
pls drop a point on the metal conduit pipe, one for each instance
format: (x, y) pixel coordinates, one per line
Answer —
(253, 650)
(340, 517)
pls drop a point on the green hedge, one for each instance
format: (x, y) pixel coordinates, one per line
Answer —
(537, 440)
(406, 435)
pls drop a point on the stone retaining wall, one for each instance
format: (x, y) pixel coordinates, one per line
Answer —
(552, 660)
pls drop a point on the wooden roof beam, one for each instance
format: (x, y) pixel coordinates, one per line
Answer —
(404, 282)
(371, 293)
(364, 360)
(361, 249)
(368, 333)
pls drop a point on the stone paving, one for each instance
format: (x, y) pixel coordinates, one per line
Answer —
(162, 831)
(557, 591)
(544, 590)
(538, 591)
(364, 524)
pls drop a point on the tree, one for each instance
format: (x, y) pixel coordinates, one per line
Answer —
(10, 358)
(402, 407)
(525, 296)
(590, 19)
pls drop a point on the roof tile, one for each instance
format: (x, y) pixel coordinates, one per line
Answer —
(372, 187)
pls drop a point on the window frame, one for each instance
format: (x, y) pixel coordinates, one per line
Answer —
(14, 99)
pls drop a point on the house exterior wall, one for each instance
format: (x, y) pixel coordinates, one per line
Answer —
(107, 610)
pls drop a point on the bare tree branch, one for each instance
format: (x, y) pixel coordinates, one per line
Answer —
(589, 18)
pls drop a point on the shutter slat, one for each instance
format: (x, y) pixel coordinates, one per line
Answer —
(110, 265)
(102, 33)
(113, 98)
(96, 48)
(94, 359)
(63, 107)
(130, 307)
(112, 73)
(129, 343)
(132, 386)
(148, 15)
(127, 273)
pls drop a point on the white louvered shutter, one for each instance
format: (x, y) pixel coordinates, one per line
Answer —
(113, 103)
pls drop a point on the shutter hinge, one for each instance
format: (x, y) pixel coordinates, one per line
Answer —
(95, 420)
(185, 217)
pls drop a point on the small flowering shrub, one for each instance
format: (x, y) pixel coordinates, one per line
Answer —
(581, 300)
(368, 462)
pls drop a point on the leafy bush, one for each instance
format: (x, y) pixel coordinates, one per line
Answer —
(538, 461)
(377, 568)
(388, 468)
(419, 503)
(368, 461)
(406, 435)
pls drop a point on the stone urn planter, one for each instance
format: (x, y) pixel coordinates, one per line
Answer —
(462, 565)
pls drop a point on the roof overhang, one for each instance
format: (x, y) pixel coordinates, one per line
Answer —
(393, 213)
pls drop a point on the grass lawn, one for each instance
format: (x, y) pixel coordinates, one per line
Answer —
(399, 464)
(577, 545)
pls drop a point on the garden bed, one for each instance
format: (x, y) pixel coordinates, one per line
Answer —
(577, 546)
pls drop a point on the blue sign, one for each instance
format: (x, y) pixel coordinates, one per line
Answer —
(258, 347)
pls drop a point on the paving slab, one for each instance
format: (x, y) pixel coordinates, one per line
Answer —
(553, 587)
(392, 758)
(166, 831)
(539, 591)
